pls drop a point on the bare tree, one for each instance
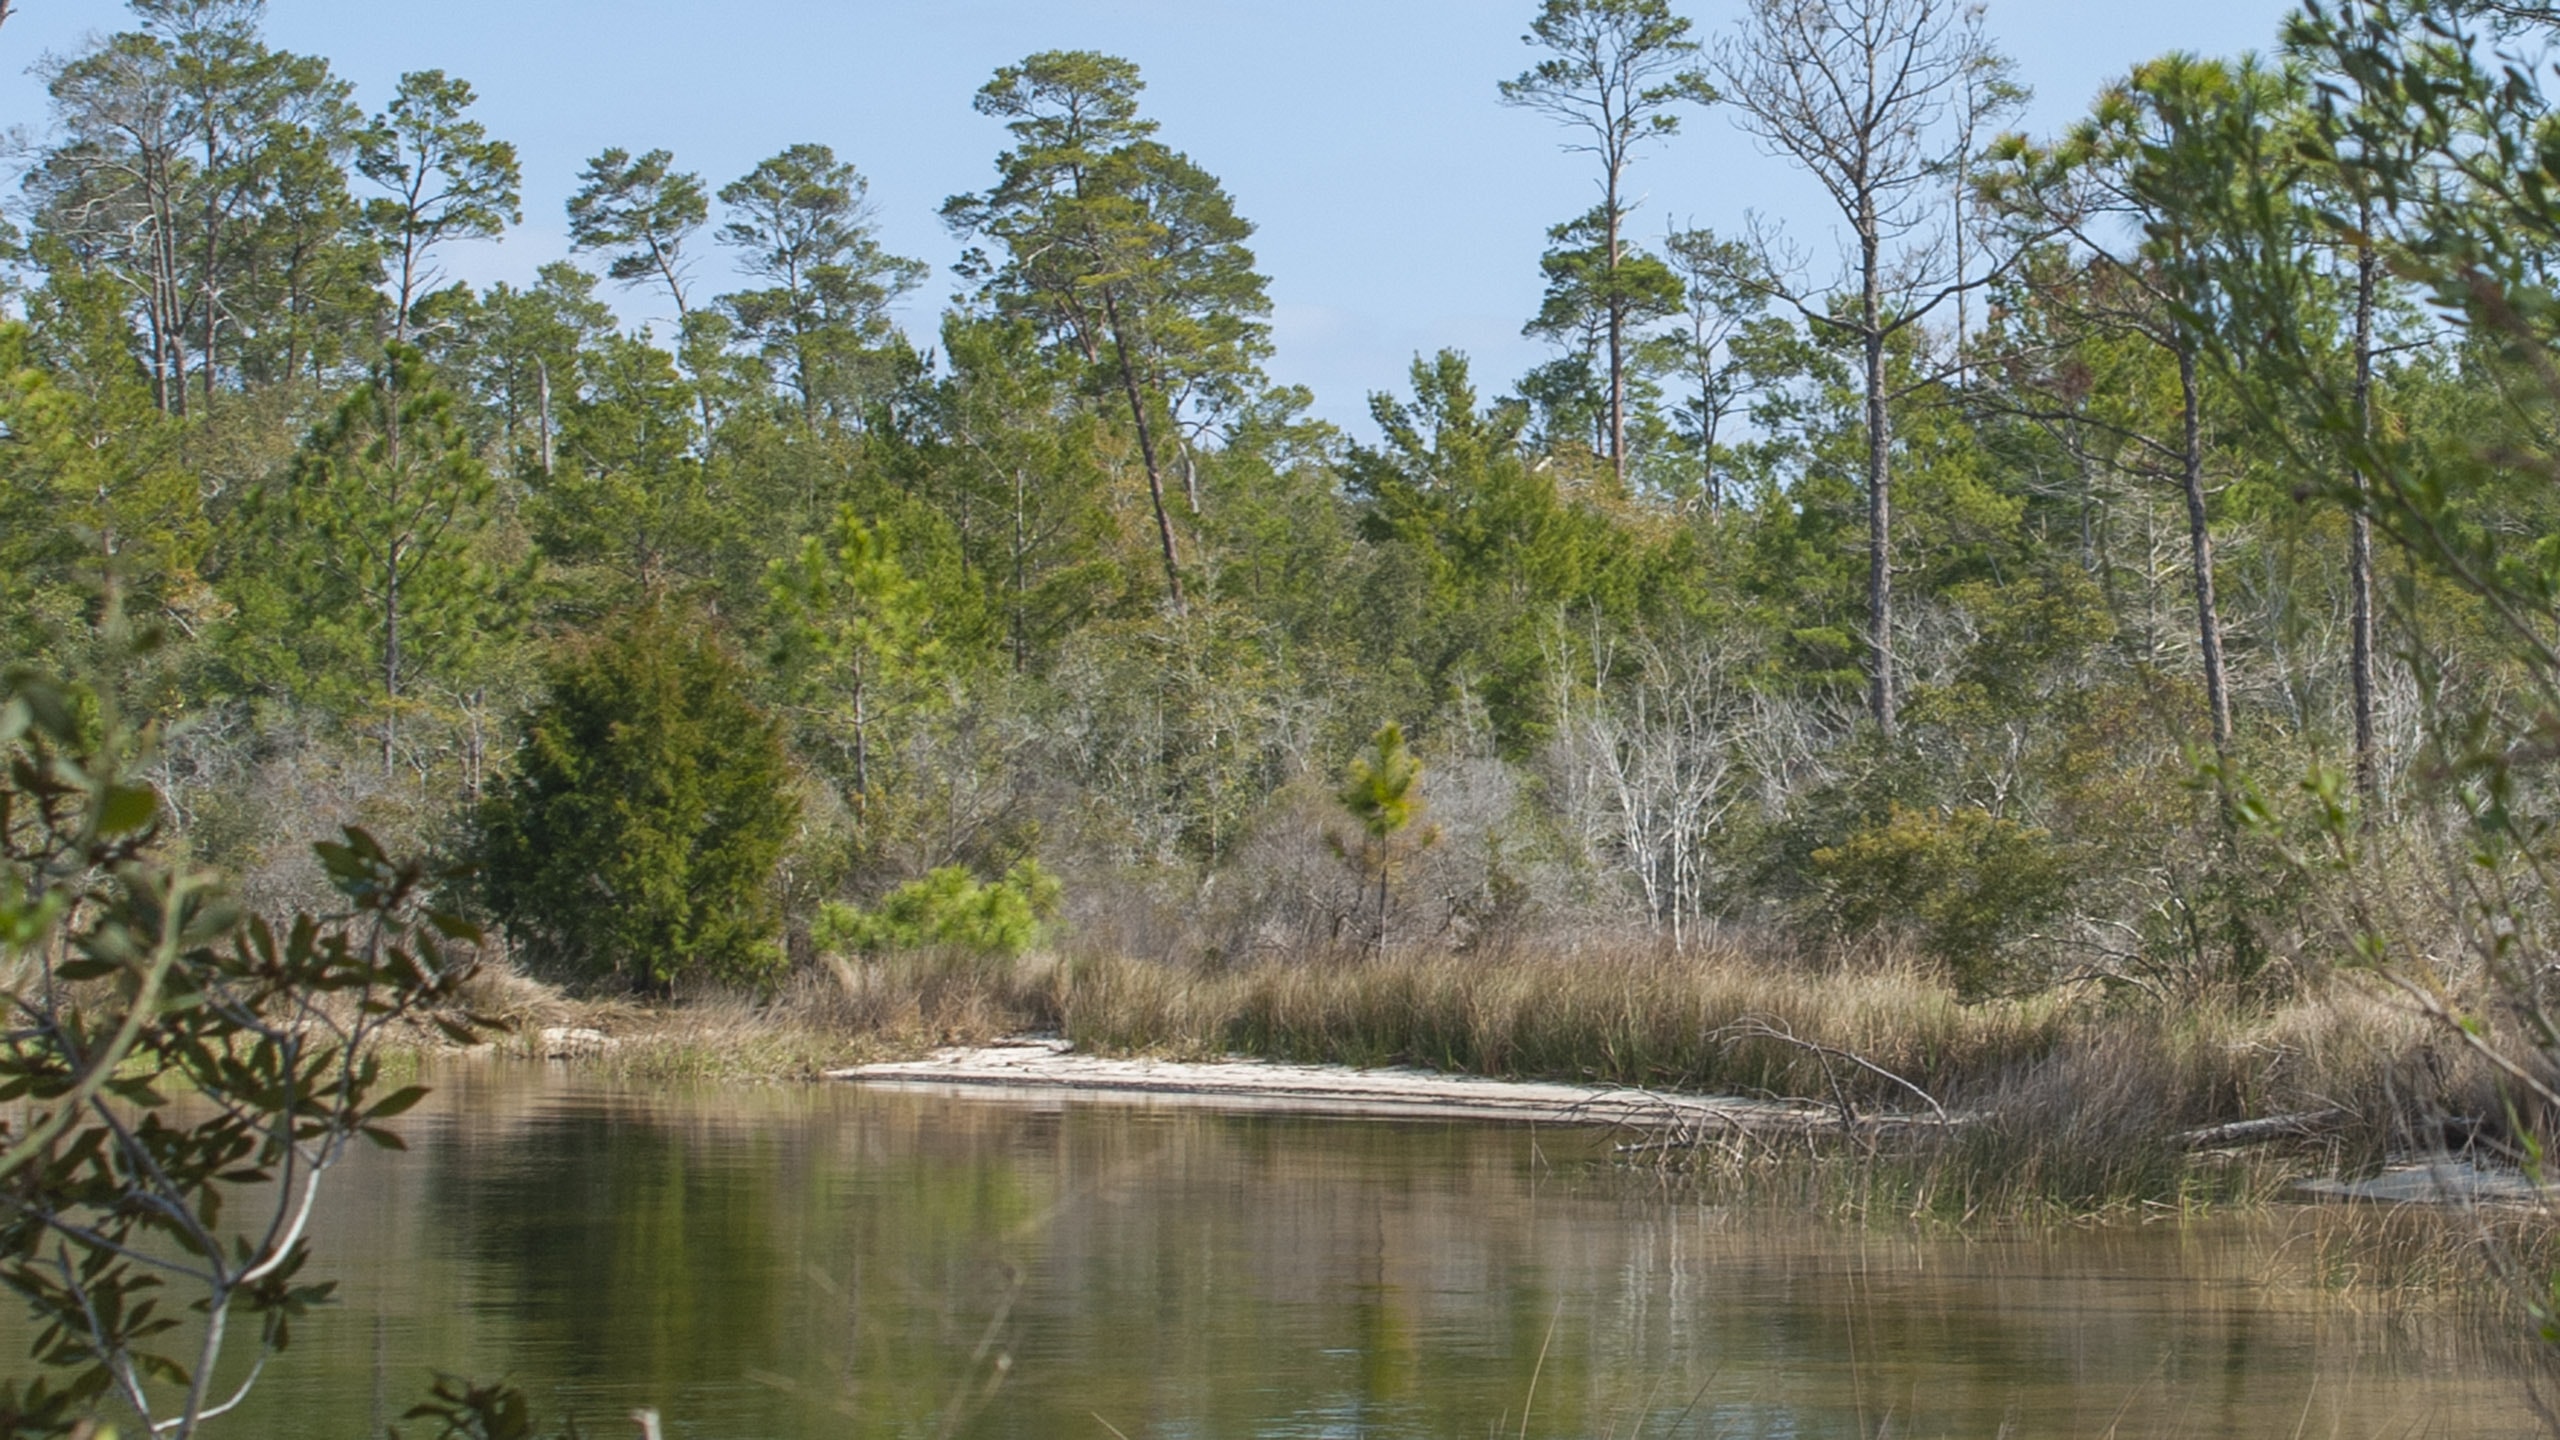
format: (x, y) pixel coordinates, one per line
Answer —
(2368, 268)
(1650, 766)
(1615, 71)
(1991, 91)
(1874, 99)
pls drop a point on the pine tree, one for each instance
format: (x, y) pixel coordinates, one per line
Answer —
(800, 221)
(853, 637)
(1383, 793)
(640, 214)
(192, 157)
(1613, 75)
(523, 356)
(1121, 250)
(447, 180)
(369, 561)
(91, 486)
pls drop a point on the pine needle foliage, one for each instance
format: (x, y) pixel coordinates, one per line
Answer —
(1383, 793)
(951, 908)
(638, 837)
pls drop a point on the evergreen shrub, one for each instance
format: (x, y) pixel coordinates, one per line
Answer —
(637, 838)
(949, 907)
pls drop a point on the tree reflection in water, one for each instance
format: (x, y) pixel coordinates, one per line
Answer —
(827, 1261)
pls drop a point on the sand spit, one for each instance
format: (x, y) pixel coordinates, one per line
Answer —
(1051, 1066)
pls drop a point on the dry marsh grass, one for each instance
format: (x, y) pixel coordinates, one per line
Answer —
(2076, 1099)
(1624, 1015)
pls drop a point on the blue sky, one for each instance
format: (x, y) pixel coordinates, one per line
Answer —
(1400, 208)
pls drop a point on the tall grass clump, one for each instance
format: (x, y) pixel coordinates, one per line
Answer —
(1632, 1013)
(2074, 1099)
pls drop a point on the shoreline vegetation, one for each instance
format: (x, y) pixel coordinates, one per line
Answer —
(2084, 1107)
(2075, 1102)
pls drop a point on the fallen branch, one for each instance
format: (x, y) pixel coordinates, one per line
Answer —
(2263, 1129)
(1820, 1118)
(1752, 1027)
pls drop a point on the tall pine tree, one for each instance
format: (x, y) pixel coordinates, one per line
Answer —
(1124, 252)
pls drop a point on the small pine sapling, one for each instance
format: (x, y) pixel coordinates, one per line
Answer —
(1383, 793)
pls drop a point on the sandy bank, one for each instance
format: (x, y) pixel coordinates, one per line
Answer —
(1049, 1065)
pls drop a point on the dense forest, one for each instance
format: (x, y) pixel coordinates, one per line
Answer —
(1984, 590)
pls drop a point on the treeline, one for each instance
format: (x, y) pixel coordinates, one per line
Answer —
(1945, 592)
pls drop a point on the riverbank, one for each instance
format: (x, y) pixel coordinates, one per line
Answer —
(2089, 1104)
(2084, 1098)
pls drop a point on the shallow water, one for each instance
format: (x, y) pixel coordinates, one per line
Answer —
(835, 1261)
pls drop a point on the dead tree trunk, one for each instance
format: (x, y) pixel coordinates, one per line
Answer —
(2200, 548)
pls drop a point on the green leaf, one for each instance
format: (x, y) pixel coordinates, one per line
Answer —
(128, 809)
(399, 1102)
(455, 927)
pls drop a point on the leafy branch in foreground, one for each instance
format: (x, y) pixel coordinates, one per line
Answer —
(169, 1066)
(467, 1410)
(2428, 151)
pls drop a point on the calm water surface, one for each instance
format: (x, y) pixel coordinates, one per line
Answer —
(832, 1261)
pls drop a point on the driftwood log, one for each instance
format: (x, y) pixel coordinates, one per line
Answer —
(2261, 1131)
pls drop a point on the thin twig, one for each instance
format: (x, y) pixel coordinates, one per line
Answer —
(1754, 1028)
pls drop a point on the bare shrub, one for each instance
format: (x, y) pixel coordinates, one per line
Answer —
(1490, 877)
(1649, 758)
